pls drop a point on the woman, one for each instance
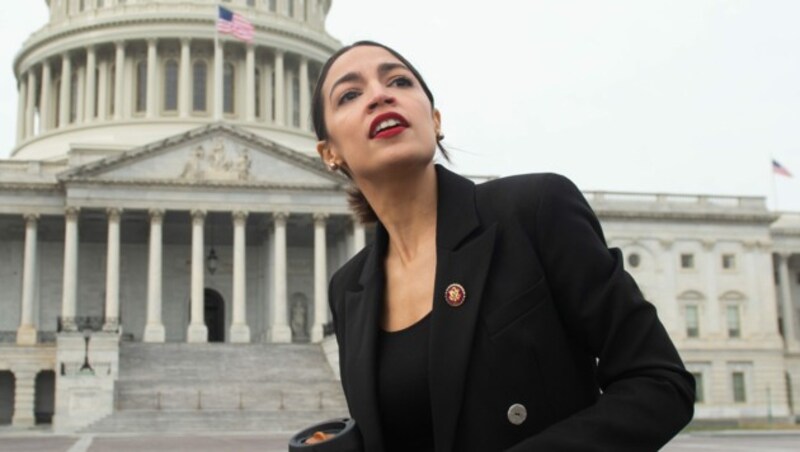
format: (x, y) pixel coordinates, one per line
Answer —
(483, 318)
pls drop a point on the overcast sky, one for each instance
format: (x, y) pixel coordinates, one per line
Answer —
(686, 96)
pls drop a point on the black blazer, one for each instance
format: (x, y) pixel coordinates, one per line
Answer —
(551, 321)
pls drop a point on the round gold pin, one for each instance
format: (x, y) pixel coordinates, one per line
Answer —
(455, 295)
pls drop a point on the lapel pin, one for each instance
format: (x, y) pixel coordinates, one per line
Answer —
(455, 295)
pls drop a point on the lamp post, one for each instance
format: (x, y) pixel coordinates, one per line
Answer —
(86, 369)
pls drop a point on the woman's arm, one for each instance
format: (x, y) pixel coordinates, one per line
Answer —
(647, 394)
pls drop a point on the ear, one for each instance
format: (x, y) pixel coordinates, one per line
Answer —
(325, 152)
(437, 121)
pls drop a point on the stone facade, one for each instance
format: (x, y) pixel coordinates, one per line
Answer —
(179, 199)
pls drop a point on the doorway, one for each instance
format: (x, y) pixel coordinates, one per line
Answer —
(7, 386)
(45, 397)
(214, 315)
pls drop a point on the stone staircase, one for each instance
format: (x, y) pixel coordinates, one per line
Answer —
(222, 387)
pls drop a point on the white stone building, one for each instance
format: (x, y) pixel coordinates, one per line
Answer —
(164, 189)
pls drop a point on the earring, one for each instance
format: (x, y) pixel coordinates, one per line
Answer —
(333, 166)
(439, 136)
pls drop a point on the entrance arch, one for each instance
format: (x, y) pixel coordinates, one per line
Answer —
(45, 397)
(7, 387)
(214, 315)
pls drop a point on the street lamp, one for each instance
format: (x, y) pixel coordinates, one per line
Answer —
(86, 369)
(212, 261)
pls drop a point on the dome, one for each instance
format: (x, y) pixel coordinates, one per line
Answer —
(112, 75)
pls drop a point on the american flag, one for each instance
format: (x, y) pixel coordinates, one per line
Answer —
(235, 24)
(777, 168)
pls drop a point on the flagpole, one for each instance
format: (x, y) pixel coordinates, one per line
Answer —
(774, 184)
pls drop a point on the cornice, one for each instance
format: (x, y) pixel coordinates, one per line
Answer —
(90, 182)
(764, 218)
(30, 186)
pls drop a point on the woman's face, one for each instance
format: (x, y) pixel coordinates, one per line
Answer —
(378, 118)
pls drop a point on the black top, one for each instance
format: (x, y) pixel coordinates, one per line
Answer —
(403, 389)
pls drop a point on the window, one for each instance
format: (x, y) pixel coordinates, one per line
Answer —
(687, 260)
(728, 261)
(73, 98)
(96, 92)
(228, 89)
(295, 102)
(739, 390)
(141, 87)
(634, 260)
(698, 385)
(112, 87)
(171, 86)
(200, 79)
(692, 321)
(257, 93)
(734, 326)
(57, 98)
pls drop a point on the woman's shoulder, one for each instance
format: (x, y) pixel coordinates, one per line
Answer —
(526, 191)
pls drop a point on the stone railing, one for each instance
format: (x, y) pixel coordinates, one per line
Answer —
(671, 199)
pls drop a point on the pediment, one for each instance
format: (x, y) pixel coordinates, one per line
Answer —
(216, 155)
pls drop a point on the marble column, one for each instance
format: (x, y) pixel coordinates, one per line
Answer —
(184, 81)
(280, 89)
(152, 69)
(30, 109)
(359, 236)
(26, 334)
(24, 394)
(102, 92)
(65, 94)
(219, 59)
(119, 71)
(279, 329)
(250, 83)
(198, 332)
(91, 68)
(154, 330)
(111, 323)
(45, 107)
(320, 278)
(305, 103)
(787, 308)
(70, 289)
(22, 93)
(240, 332)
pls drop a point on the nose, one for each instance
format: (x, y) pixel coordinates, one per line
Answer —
(380, 99)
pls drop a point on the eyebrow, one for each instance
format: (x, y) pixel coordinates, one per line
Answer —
(383, 69)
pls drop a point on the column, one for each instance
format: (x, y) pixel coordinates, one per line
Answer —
(279, 94)
(320, 278)
(24, 391)
(279, 330)
(184, 81)
(26, 334)
(154, 329)
(789, 333)
(119, 67)
(359, 236)
(240, 332)
(198, 332)
(305, 103)
(91, 67)
(250, 82)
(102, 92)
(45, 114)
(64, 101)
(70, 290)
(219, 58)
(30, 109)
(21, 104)
(151, 77)
(714, 317)
(111, 323)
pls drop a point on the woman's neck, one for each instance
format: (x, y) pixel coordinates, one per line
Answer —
(407, 209)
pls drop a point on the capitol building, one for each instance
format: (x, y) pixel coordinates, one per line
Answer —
(168, 233)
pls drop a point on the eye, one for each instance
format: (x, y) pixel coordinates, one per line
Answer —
(401, 81)
(347, 97)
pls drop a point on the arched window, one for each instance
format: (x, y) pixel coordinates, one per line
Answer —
(141, 86)
(199, 82)
(73, 97)
(228, 89)
(171, 86)
(257, 94)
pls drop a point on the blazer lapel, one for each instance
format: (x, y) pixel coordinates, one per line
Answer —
(463, 257)
(361, 336)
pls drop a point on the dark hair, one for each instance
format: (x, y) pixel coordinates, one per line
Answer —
(355, 198)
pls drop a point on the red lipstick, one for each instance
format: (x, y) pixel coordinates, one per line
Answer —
(387, 125)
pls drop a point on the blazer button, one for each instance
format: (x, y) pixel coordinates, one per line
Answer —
(517, 413)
